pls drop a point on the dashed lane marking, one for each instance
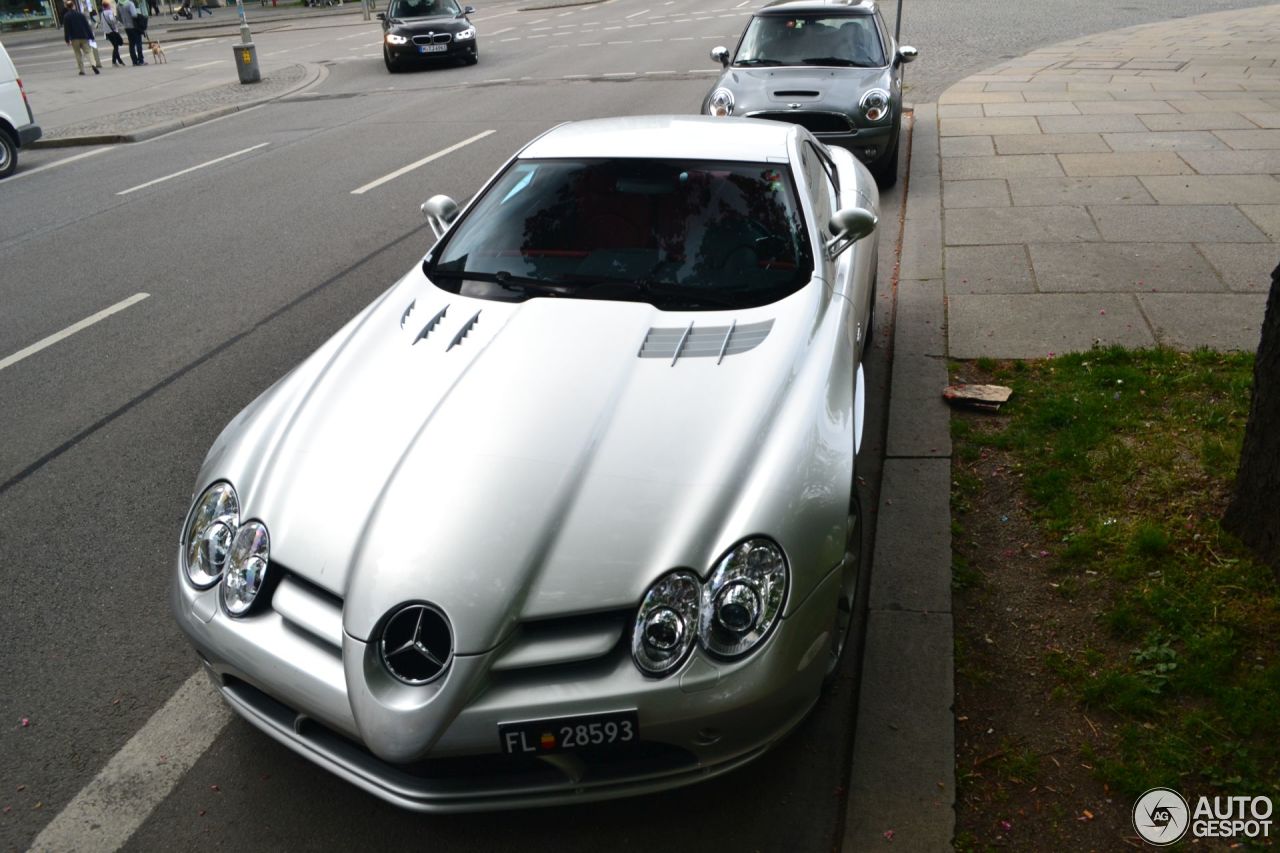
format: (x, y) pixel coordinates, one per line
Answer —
(194, 168)
(404, 170)
(71, 330)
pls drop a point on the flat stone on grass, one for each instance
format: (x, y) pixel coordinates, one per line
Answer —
(1121, 267)
(996, 225)
(1016, 325)
(1186, 223)
(1225, 322)
(988, 269)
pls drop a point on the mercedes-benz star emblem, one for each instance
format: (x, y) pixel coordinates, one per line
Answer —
(417, 644)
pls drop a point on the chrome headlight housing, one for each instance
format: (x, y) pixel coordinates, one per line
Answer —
(875, 104)
(743, 598)
(721, 103)
(393, 38)
(246, 567)
(466, 35)
(666, 624)
(206, 539)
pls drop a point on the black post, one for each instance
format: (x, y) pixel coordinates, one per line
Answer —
(897, 25)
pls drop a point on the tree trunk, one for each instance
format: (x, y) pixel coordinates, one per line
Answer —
(1253, 514)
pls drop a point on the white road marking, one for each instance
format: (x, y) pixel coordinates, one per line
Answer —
(193, 168)
(70, 159)
(743, 3)
(499, 32)
(587, 44)
(515, 38)
(107, 811)
(619, 74)
(207, 64)
(71, 330)
(637, 14)
(424, 161)
(621, 42)
(700, 71)
(573, 77)
(655, 73)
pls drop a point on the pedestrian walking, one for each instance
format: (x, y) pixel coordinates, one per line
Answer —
(129, 17)
(78, 33)
(111, 30)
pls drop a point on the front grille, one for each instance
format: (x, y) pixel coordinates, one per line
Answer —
(308, 609)
(814, 122)
(433, 38)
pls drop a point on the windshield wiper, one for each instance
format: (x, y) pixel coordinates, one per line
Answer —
(757, 61)
(680, 293)
(505, 280)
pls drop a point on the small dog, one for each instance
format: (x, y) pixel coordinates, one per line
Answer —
(157, 52)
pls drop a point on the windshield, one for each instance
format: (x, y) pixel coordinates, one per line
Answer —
(423, 8)
(811, 40)
(676, 234)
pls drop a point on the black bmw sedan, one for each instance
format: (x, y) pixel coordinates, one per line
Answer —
(415, 31)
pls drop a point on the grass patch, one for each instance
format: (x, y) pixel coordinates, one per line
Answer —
(1125, 458)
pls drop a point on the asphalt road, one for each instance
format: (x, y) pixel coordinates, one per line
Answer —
(249, 263)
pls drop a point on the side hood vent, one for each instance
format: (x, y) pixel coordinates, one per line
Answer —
(431, 324)
(705, 342)
(462, 333)
(796, 93)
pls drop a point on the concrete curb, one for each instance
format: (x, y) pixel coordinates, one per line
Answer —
(902, 786)
(316, 73)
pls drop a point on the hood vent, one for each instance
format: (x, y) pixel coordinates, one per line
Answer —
(795, 93)
(431, 324)
(407, 312)
(462, 333)
(705, 342)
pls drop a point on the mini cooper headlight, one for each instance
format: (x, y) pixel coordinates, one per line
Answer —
(466, 35)
(721, 103)
(667, 623)
(206, 540)
(875, 104)
(743, 598)
(246, 567)
(392, 38)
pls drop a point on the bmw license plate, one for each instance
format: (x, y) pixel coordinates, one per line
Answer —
(432, 48)
(567, 734)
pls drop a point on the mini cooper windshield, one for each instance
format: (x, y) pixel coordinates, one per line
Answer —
(811, 40)
(677, 234)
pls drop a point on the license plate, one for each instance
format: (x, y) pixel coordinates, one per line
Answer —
(432, 48)
(567, 734)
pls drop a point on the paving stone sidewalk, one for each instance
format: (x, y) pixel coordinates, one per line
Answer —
(1116, 189)
(164, 116)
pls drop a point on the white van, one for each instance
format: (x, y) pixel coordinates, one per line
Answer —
(17, 124)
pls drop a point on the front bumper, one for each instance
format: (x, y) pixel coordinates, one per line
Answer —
(410, 52)
(706, 720)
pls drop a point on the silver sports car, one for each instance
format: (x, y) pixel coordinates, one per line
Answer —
(568, 512)
(829, 65)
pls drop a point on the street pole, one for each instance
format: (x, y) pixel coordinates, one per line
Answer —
(246, 37)
(897, 25)
(364, 5)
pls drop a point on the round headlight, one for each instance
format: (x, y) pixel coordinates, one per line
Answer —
(721, 103)
(206, 540)
(875, 104)
(743, 598)
(466, 35)
(393, 38)
(246, 567)
(666, 623)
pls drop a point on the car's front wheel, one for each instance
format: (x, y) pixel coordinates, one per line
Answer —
(850, 584)
(8, 154)
(393, 64)
(473, 57)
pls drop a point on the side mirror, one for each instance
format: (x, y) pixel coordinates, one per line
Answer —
(440, 211)
(381, 16)
(848, 226)
(907, 53)
(468, 10)
(721, 55)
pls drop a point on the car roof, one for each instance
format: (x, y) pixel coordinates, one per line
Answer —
(666, 137)
(825, 7)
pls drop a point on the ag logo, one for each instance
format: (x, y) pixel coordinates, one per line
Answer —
(1161, 816)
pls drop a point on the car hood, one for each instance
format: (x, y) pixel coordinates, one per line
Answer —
(433, 23)
(838, 89)
(509, 461)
